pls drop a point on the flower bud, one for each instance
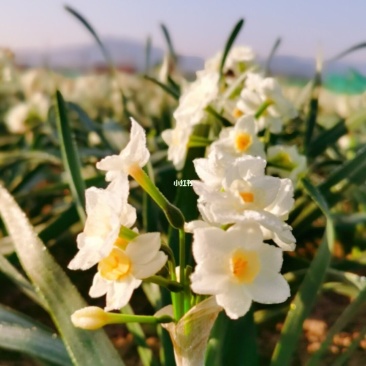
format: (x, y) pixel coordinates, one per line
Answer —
(90, 318)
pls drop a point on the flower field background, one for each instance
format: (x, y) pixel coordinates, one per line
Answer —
(275, 177)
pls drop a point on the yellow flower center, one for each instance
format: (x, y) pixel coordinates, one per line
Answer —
(242, 141)
(237, 113)
(247, 197)
(245, 266)
(116, 266)
(121, 243)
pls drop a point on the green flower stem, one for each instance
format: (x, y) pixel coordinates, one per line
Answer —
(127, 234)
(167, 250)
(182, 264)
(113, 318)
(262, 108)
(161, 281)
(172, 213)
(187, 290)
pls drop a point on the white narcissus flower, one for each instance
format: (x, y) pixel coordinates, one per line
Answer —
(177, 140)
(242, 193)
(265, 200)
(134, 154)
(237, 268)
(240, 140)
(286, 162)
(238, 60)
(259, 90)
(16, 118)
(195, 99)
(107, 209)
(219, 170)
(125, 267)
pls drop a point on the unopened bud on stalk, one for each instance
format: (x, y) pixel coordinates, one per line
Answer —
(90, 318)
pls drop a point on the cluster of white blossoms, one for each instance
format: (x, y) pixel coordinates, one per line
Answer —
(123, 261)
(236, 265)
(238, 244)
(245, 194)
(242, 91)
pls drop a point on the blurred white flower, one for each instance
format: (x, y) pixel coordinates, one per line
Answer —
(135, 154)
(286, 162)
(238, 60)
(177, 140)
(194, 100)
(240, 139)
(107, 209)
(218, 170)
(256, 93)
(237, 268)
(16, 118)
(125, 267)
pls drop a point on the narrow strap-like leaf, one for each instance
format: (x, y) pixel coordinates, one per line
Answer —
(348, 314)
(91, 30)
(165, 87)
(70, 156)
(305, 298)
(143, 349)
(229, 43)
(22, 334)
(274, 49)
(169, 42)
(346, 52)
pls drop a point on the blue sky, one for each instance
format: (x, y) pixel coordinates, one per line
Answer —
(197, 27)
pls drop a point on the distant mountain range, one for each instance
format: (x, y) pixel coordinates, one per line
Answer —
(131, 54)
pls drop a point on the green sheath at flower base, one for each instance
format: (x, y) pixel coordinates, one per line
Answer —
(127, 234)
(172, 213)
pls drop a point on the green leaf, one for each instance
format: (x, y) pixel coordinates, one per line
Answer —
(60, 225)
(91, 30)
(143, 349)
(168, 39)
(18, 279)
(233, 342)
(70, 156)
(342, 359)
(271, 54)
(172, 92)
(356, 47)
(229, 44)
(148, 54)
(327, 138)
(52, 284)
(305, 298)
(89, 124)
(348, 314)
(34, 156)
(313, 107)
(22, 334)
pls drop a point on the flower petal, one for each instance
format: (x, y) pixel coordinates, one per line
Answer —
(143, 248)
(269, 288)
(235, 303)
(145, 270)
